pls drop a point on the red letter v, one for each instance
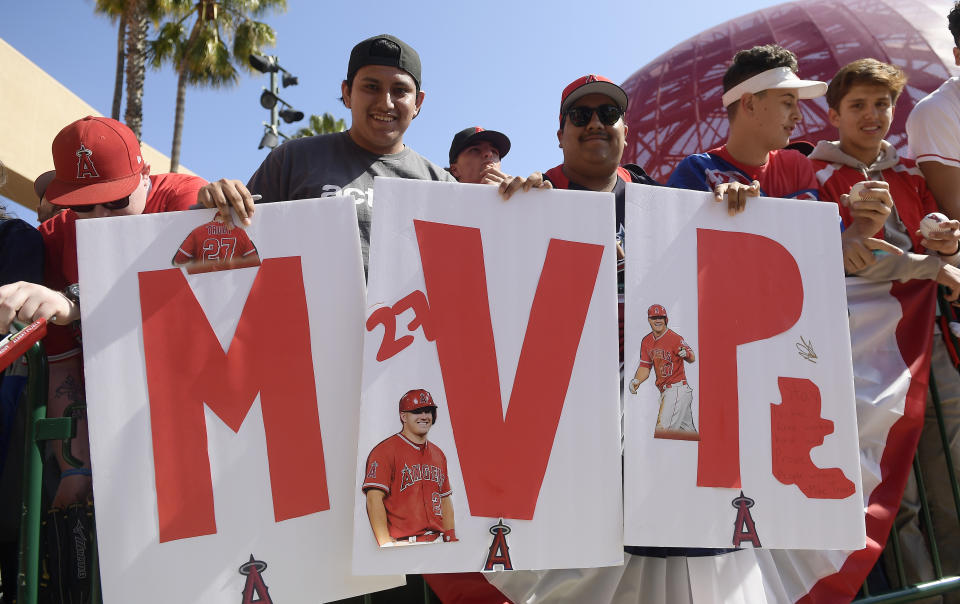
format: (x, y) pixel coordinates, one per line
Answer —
(503, 461)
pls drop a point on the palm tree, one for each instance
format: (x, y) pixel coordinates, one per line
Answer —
(199, 50)
(115, 10)
(133, 15)
(321, 124)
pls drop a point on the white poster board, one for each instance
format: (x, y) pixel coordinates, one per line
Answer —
(505, 312)
(754, 442)
(224, 403)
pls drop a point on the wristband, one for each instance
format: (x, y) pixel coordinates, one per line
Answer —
(75, 472)
(952, 258)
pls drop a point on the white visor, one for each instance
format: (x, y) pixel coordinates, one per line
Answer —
(779, 77)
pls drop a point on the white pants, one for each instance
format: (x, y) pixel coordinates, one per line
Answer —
(676, 408)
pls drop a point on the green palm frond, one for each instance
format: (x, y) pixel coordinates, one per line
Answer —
(321, 124)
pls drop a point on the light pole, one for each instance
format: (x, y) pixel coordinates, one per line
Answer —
(270, 99)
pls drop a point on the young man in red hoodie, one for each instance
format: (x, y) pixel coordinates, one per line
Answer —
(862, 97)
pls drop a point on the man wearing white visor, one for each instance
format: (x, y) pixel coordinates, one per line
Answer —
(761, 94)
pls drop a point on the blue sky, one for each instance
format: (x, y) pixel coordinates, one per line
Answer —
(500, 65)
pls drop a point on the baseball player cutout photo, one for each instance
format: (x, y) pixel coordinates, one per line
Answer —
(213, 246)
(665, 352)
(406, 484)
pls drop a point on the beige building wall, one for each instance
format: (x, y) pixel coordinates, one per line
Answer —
(34, 107)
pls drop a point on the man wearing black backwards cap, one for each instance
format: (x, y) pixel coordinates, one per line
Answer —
(475, 156)
(382, 91)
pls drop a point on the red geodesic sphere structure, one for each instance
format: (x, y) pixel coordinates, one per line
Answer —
(675, 108)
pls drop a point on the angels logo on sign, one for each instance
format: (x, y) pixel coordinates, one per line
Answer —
(499, 550)
(743, 527)
(255, 591)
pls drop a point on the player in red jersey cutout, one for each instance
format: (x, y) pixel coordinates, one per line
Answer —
(214, 246)
(406, 480)
(665, 352)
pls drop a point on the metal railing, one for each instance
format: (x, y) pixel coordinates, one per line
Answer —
(38, 430)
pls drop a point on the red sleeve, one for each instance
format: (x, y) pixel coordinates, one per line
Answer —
(645, 360)
(60, 270)
(187, 250)
(379, 469)
(445, 488)
(172, 193)
(832, 182)
(806, 175)
(245, 247)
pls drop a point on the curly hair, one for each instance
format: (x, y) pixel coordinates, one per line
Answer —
(870, 72)
(953, 21)
(748, 63)
(756, 60)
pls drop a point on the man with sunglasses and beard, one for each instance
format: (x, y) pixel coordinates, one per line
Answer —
(100, 172)
(593, 135)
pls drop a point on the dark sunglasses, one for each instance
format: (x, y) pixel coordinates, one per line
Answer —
(657, 317)
(421, 410)
(118, 204)
(608, 114)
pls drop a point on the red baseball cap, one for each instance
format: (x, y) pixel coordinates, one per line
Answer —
(416, 399)
(97, 160)
(656, 311)
(592, 84)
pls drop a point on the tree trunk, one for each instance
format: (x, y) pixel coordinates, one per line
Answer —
(136, 59)
(118, 81)
(178, 119)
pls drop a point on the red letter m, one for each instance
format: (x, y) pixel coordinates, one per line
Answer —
(187, 368)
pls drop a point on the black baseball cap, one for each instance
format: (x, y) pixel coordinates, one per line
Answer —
(369, 52)
(475, 134)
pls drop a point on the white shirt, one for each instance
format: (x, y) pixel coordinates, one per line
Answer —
(933, 127)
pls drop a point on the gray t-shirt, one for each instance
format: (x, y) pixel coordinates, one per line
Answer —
(332, 165)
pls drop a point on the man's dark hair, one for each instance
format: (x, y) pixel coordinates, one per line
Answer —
(748, 63)
(953, 19)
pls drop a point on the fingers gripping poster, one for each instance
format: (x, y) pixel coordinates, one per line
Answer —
(223, 380)
(489, 431)
(739, 420)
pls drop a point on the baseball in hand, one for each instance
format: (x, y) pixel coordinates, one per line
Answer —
(682, 353)
(932, 224)
(857, 191)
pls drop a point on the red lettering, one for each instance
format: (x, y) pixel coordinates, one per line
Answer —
(391, 345)
(796, 427)
(487, 443)
(749, 289)
(187, 368)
